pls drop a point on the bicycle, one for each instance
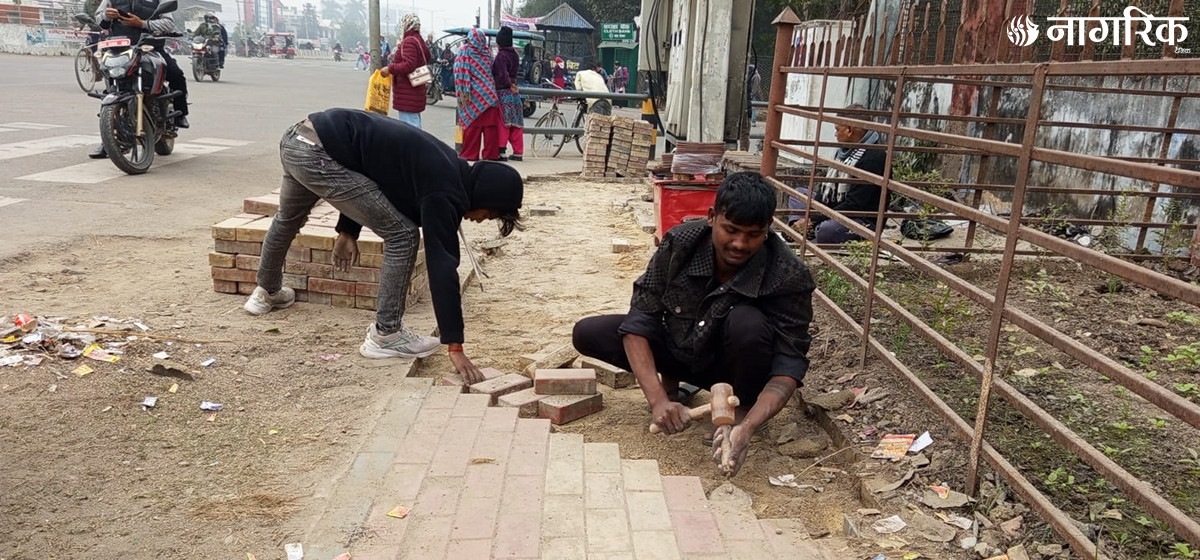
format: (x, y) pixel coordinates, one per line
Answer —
(87, 69)
(544, 143)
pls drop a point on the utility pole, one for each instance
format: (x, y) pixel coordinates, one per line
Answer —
(496, 14)
(373, 25)
(477, 10)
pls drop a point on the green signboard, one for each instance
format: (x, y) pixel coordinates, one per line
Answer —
(619, 32)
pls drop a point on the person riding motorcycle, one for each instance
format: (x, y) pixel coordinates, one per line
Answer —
(337, 51)
(126, 18)
(213, 30)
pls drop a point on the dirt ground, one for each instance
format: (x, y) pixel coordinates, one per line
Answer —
(90, 474)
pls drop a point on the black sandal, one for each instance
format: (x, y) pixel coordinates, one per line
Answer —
(684, 394)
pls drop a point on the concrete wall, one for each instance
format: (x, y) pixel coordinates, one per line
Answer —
(26, 39)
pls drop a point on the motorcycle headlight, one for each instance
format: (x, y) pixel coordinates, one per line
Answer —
(198, 46)
(116, 66)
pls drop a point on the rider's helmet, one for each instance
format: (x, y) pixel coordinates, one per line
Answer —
(210, 17)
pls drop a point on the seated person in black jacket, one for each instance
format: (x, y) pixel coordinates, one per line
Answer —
(846, 197)
(393, 178)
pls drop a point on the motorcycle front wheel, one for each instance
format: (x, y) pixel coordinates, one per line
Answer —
(216, 75)
(197, 74)
(118, 134)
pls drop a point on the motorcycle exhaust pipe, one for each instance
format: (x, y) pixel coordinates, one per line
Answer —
(171, 95)
(97, 95)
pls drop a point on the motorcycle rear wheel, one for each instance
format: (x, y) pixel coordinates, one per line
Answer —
(140, 151)
(216, 75)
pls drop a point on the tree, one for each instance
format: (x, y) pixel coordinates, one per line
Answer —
(352, 32)
(356, 11)
(331, 10)
(311, 24)
(612, 11)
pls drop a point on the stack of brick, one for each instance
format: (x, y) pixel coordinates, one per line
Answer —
(560, 395)
(616, 146)
(309, 266)
(596, 136)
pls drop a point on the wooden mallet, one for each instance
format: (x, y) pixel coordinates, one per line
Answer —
(722, 406)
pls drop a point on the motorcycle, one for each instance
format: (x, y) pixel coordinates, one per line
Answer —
(433, 90)
(136, 116)
(206, 58)
(337, 55)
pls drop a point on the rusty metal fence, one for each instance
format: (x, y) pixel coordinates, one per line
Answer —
(919, 55)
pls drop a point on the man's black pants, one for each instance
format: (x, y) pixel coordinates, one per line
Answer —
(177, 81)
(743, 358)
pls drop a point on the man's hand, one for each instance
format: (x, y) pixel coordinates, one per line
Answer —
(385, 71)
(462, 364)
(111, 13)
(133, 20)
(671, 417)
(739, 446)
(345, 252)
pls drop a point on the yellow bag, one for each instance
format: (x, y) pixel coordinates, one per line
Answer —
(379, 94)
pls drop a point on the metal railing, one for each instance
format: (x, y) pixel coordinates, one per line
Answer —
(997, 70)
(573, 94)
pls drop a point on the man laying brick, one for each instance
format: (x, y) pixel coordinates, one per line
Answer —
(393, 178)
(722, 301)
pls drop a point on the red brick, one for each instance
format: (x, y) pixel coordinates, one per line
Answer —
(560, 409)
(221, 260)
(357, 274)
(341, 301)
(302, 254)
(361, 302)
(310, 269)
(333, 287)
(255, 231)
(265, 205)
(564, 381)
(225, 286)
(227, 230)
(234, 275)
(525, 401)
(456, 380)
(502, 385)
(319, 298)
(295, 281)
(238, 247)
(320, 256)
(246, 262)
(249, 217)
(370, 260)
(366, 289)
(246, 288)
(315, 238)
(370, 243)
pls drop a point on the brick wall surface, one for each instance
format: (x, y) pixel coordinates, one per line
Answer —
(616, 146)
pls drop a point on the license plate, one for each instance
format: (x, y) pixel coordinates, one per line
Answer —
(111, 43)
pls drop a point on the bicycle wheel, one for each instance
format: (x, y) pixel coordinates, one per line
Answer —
(569, 137)
(86, 72)
(547, 145)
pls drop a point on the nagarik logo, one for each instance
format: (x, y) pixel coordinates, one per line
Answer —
(1022, 31)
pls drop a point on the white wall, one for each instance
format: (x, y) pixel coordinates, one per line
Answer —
(27, 39)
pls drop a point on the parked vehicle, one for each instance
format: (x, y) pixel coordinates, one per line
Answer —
(532, 71)
(137, 119)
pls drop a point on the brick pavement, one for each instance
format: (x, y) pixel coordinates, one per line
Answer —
(483, 483)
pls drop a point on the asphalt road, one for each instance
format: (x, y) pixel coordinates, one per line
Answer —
(52, 193)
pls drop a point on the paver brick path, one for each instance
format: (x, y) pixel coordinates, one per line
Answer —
(483, 483)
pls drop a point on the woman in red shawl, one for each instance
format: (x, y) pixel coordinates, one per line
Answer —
(478, 102)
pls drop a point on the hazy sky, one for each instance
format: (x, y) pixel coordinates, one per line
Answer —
(435, 15)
